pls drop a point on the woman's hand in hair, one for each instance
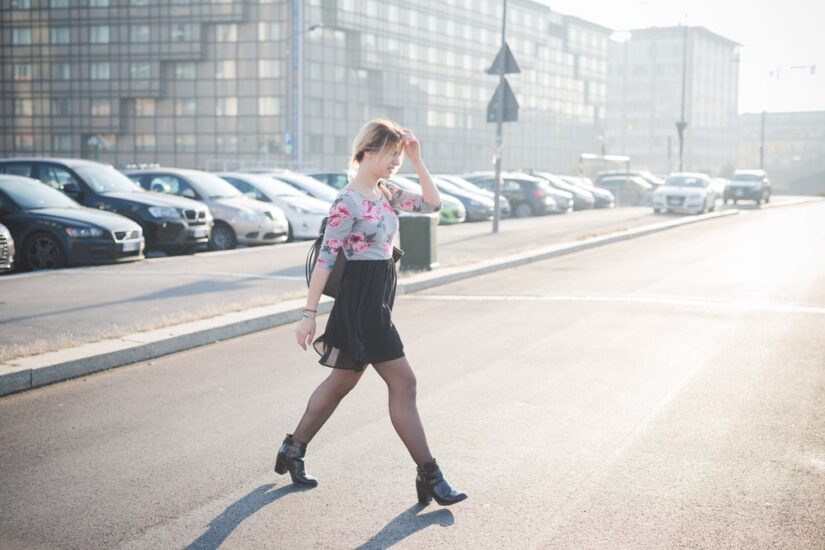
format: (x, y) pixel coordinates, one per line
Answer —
(412, 148)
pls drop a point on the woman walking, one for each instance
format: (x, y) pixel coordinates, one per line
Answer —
(359, 332)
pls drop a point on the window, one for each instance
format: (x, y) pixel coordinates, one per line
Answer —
(185, 143)
(226, 106)
(181, 2)
(61, 71)
(24, 142)
(100, 71)
(59, 3)
(62, 142)
(226, 33)
(181, 32)
(23, 107)
(269, 68)
(22, 71)
(225, 69)
(145, 143)
(185, 107)
(141, 70)
(227, 144)
(185, 71)
(145, 106)
(59, 35)
(139, 33)
(99, 34)
(21, 36)
(269, 106)
(269, 31)
(61, 106)
(101, 107)
(20, 4)
(140, 2)
(98, 3)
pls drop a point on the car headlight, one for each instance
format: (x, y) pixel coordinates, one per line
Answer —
(164, 212)
(84, 232)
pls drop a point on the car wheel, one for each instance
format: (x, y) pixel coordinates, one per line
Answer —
(290, 236)
(657, 210)
(767, 198)
(735, 202)
(42, 251)
(523, 210)
(222, 238)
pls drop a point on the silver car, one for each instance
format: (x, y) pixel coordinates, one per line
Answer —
(238, 219)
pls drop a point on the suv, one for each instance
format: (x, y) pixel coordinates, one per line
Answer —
(752, 185)
(171, 224)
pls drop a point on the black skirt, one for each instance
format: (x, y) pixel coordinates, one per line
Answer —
(359, 330)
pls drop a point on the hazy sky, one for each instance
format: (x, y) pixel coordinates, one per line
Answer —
(774, 35)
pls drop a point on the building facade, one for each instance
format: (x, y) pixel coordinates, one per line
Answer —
(645, 98)
(224, 83)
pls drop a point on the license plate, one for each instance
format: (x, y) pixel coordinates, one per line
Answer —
(198, 233)
(131, 246)
(739, 192)
(674, 200)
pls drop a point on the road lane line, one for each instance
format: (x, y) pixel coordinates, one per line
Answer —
(228, 274)
(770, 307)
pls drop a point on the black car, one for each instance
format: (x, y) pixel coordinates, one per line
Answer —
(603, 198)
(528, 196)
(169, 223)
(6, 249)
(53, 231)
(751, 185)
(478, 207)
(582, 199)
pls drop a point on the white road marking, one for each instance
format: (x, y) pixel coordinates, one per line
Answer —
(773, 307)
(226, 274)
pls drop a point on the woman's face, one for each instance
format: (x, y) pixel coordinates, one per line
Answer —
(385, 163)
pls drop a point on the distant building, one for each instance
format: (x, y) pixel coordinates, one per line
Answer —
(217, 83)
(794, 148)
(645, 98)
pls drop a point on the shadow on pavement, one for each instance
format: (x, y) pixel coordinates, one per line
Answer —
(405, 524)
(223, 525)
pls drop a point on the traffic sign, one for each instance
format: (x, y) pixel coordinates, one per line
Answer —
(511, 106)
(505, 56)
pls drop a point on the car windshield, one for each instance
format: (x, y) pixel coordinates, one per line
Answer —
(463, 184)
(32, 196)
(272, 186)
(105, 179)
(685, 181)
(211, 186)
(746, 177)
(310, 185)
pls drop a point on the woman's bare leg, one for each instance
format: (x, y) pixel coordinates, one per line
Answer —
(323, 402)
(401, 383)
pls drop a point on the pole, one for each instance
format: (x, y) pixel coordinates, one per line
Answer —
(499, 125)
(762, 143)
(682, 124)
(296, 74)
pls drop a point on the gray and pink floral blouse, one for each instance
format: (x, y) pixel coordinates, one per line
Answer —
(366, 229)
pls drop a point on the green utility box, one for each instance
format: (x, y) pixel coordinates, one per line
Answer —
(418, 241)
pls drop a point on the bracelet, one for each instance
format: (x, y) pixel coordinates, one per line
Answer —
(306, 315)
(312, 310)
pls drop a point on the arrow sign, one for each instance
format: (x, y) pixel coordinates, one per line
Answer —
(510, 104)
(505, 56)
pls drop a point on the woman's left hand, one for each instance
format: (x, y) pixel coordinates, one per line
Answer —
(411, 146)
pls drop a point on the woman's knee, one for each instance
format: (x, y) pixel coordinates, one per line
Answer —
(341, 383)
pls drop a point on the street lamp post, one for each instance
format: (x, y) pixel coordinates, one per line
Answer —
(296, 84)
(681, 125)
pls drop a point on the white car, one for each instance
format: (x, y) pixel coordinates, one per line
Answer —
(303, 212)
(686, 192)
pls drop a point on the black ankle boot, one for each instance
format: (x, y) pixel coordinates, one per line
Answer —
(291, 458)
(430, 484)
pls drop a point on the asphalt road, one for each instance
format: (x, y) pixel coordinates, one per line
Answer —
(665, 392)
(53, 310)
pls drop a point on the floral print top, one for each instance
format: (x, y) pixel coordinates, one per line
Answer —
(366, 229)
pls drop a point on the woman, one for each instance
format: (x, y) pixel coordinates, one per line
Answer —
(362, 223)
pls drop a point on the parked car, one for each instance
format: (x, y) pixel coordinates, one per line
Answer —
(302, 182)
(753, 185)
(528, 195)
(6, 249)
(582, 199)
(53, 231)
(173, 224)
(452, 211)
(337, 179)
(304, 213)
(602, 197)
(478, 208)
(628, 190)
(238, 219)
(472, 188)
(686, 192)
(654, 180)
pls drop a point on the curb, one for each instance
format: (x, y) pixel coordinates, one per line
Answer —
(26, 373)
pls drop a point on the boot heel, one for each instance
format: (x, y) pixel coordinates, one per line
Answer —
(424, 496)
(280, 464)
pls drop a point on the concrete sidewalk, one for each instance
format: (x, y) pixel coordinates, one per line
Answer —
(19, 374)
